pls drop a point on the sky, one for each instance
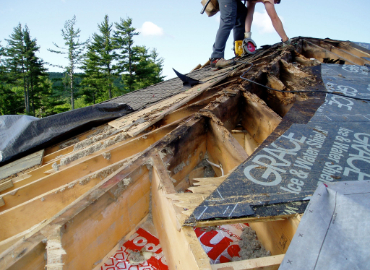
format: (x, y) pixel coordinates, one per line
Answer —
(182, 36)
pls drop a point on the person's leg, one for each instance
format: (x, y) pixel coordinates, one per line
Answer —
(228, 10)
(238, 30)
(276, 22)
(249, 18)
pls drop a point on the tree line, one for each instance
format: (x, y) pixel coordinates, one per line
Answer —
(106, 65)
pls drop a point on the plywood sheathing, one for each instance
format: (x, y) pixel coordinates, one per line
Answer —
(134, 123)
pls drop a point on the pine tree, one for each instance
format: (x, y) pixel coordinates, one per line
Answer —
(35, 72)
(15, 62)
(148, 69)
(124, 35)
(99, 67)
(74, 52)
(24, 70)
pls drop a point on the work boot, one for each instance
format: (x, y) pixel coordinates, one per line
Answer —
(221, 63)
(287, 43)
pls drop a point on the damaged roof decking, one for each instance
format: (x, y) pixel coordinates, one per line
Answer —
(176, 143)
(332, 146)
(143, 97)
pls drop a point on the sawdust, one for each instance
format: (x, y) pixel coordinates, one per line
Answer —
(92, 149)
(138, 257)
(121, 186)
(106, 155)
(55, 167)
(179, 168)
(68, 143)
(98, 131)
(250, 247)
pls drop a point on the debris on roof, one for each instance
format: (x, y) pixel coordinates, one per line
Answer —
(249, 146)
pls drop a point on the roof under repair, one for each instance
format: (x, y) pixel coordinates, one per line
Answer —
(168, 176)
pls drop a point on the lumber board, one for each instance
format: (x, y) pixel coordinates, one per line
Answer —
(257, 118)
(183, 153)
(276, 235)
(348, 46)
(49, 204)
(76, 139)
(12, 240)
(83, 167)
(226, 108)
(136, 122)
(223, 148)
(265, 263)
(312, 50)
(186, 111)
(100, 226)
(172, 240)
(6, 184)
(89, 140)
(103, 189)
(21, 165)
(343, 53)
(27, 255)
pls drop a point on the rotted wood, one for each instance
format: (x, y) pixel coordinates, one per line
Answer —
(83, 167)
(223, 148)
(257, 118)
(88, 205)
(311, 50)
(192, 256)
(343, 53)
(135, 123)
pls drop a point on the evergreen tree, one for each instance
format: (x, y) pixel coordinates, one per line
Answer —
(35, 73)
(74, 52)
(15, 62)
(99, 67)
(127, 56)
(24, 70)
(148, 68)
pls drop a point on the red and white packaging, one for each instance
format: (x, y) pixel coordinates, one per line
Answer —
(141, 240)
(221, 244)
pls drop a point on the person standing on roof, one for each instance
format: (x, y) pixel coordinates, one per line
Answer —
(276, 22)
(233, 16)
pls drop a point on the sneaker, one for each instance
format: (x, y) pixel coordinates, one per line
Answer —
(287, 43)
(221, 63)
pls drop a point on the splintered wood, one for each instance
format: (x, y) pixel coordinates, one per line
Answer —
(203, 187)
(136, 122)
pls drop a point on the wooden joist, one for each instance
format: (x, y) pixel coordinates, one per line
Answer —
(173, 240)
(136, 122)
(257, 118)
(265, 263)
(83, 167)
(312, 50)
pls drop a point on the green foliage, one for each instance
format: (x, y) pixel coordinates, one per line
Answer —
(21, 71)
(139, 67)
(100, 71)
(112, 65)
(74, 52)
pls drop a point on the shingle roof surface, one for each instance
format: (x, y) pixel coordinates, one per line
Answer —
(141, 98)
